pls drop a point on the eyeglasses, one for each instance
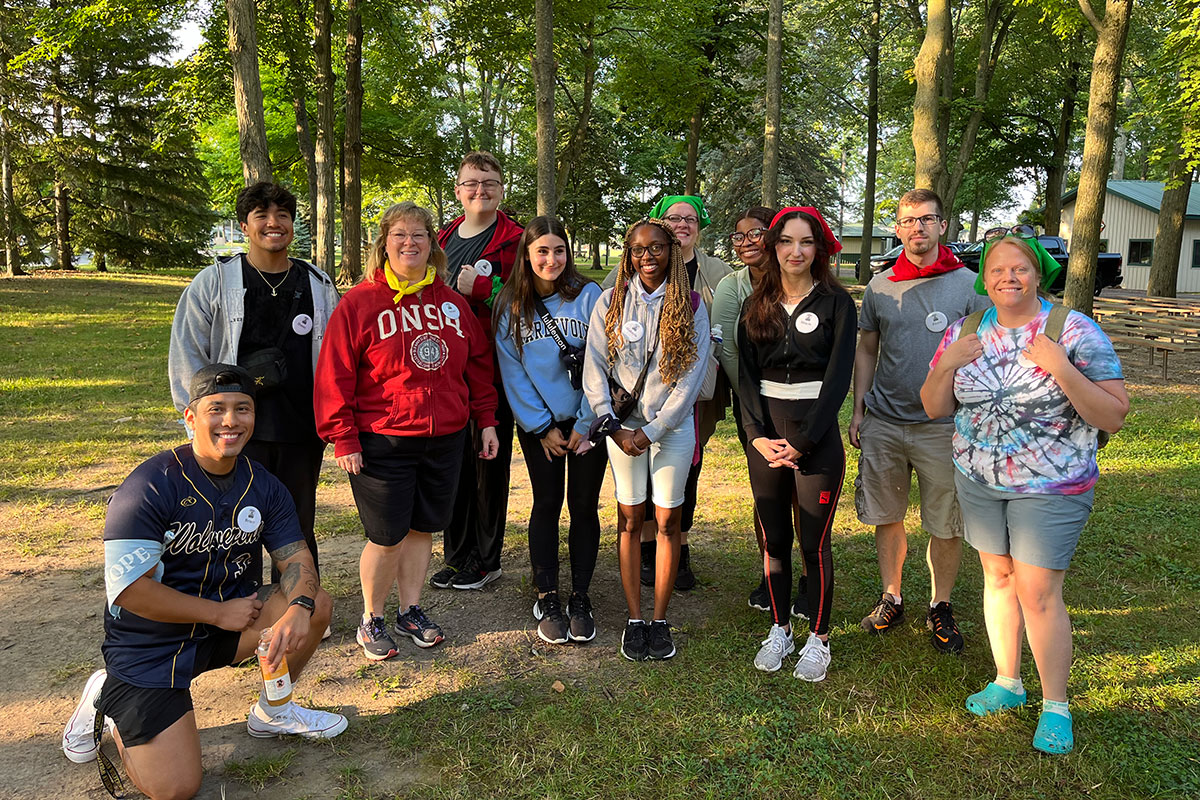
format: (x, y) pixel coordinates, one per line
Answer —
(927, 221)
(675, 219)
(1021, 231)
(490, 185)
(754, 235)
(404, 236)
(656, 249)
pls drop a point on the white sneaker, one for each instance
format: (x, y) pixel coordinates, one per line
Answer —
(79, 739)
(775, 647)
(328, 632)
(294, 720)
(814, 660)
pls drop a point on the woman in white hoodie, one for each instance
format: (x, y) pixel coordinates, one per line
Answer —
(648, 342)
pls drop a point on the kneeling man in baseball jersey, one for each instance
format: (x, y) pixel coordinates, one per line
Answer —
(179, 536)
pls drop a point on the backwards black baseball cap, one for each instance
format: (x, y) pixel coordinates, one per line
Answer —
(220, 378)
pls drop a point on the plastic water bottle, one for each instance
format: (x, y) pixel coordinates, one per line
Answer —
(277, 684)
(716, 334)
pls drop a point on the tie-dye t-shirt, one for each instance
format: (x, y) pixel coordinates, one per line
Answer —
(1014, 429)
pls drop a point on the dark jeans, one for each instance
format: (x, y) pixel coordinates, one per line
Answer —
(298, 467)
(583, 476)
(476, 531)
(817, 486)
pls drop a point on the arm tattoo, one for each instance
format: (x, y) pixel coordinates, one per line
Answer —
(287, 551)
(265, 593)
(290, 577)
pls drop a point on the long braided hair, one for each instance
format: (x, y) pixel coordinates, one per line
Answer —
(676, 332)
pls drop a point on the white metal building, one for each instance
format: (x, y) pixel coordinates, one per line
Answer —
(1130, 224)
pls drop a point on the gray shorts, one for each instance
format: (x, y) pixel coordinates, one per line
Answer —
(1041, 530)
(889, 455)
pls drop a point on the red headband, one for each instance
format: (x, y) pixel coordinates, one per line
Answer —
(834, 245)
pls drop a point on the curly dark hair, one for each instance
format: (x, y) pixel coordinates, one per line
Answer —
(264, 194)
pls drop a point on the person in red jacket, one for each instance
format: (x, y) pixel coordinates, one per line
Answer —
(404, 368)
(480, 249)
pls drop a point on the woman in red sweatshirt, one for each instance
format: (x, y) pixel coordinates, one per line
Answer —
(403, 368)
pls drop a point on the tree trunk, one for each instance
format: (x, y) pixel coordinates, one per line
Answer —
(326, 158)
(544, 70)
(352, 153)
(1164, 265)
(575, 144)
(299, 77)
(930, 68)
(247, 91)
(1121, 137)
(975, 224)
(998, 16)
(65, 256)
(1056, 172)
(691, 180)
(1097, 155)
(868, 230)
(12, 253)
(770, 177)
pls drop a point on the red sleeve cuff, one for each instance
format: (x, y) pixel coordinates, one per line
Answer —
(346, 447)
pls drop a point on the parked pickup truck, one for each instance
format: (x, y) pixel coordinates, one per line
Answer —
(1108, 268)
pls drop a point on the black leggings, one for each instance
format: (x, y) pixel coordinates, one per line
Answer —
(817, 486)
(586, 474)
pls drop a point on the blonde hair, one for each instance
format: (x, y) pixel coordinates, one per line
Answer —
(676, 329)
(409, 212)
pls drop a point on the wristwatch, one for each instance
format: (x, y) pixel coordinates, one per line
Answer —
(304, 602)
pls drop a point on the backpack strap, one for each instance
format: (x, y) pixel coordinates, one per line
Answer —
(971, 323)
(1056, 321)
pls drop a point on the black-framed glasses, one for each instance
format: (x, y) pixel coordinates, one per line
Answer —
(927, 221)
(491, 185)
(753, 236)
(1020, 231)
(656, 249)
(675, 219)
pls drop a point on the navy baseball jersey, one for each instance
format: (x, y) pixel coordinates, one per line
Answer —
(169, 521)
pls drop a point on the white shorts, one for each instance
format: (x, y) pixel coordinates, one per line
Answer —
(666, 461)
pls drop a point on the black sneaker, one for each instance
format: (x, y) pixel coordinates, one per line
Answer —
(442, 578)
(474, 576)
(685, 579)
(660, 647)
(579, 612)
(760, 598)
(884, 617)
(800, 601)
(377, 645)
(633, 642)
(552, 625)
(649, 550)
(413, 623)
(944, 630)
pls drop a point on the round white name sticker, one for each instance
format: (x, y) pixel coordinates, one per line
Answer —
(249, 518)
(936, 321)
(484, 268)
(450, 310)
(302, 324)
(632, 331)
(807, 322)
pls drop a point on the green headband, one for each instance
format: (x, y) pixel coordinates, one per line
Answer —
(660, 208)
(1047, 266)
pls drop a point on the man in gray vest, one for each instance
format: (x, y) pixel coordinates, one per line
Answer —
(905, 312)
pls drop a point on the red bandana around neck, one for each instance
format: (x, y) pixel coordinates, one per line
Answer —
(905, 270)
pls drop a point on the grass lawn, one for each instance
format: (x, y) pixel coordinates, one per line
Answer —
(83, 399)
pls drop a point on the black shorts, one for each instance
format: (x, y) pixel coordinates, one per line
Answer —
(140, 714)
(407, 483)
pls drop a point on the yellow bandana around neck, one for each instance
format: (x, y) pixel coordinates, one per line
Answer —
(405, 287)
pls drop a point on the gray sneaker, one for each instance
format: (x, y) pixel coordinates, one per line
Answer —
(814, 660)
(776, 647)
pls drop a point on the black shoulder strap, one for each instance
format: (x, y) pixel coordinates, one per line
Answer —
(551, 325)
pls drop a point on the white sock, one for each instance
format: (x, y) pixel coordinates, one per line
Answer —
(637, 621)
(895, 598)
(1014, 685)
(269, 710)
(663, 621)
(1055, 707)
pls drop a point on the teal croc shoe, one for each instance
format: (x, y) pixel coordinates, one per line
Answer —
(994, 699)
(1054, 734)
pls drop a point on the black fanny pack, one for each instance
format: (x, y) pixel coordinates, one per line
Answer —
(268, 366)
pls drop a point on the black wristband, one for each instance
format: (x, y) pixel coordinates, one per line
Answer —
(304, 602)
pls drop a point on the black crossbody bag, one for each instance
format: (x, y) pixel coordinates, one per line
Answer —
(570, 355)
(268, 366)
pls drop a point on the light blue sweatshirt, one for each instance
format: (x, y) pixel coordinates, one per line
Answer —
(536, 383)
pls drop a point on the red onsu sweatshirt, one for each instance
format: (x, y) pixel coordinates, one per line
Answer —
(501, 251)
(417, 368)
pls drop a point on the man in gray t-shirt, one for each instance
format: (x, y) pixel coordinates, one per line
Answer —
(905, 311)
